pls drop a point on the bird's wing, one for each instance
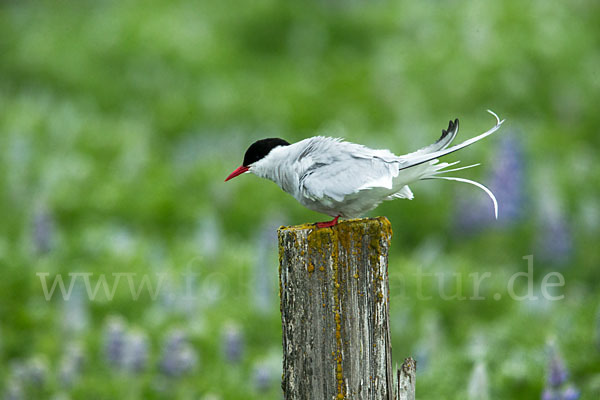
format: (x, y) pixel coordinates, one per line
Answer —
(336, 169)
(447, 137)
(420, 156)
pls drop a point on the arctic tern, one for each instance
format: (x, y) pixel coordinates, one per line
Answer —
(343, 179)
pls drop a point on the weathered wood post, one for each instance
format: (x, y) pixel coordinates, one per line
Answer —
(335, 311)
(407, 376)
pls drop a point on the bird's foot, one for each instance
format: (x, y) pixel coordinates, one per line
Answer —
(328, 224)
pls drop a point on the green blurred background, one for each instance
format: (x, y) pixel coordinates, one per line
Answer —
(119, 121)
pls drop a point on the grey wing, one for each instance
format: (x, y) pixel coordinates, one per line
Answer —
(353, 169)
(430, 153)
(447, 137)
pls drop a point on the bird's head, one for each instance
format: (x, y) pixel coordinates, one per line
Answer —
(256, 152)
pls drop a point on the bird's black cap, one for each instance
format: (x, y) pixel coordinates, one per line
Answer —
(261, 148)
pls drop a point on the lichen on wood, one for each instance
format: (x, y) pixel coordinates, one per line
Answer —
(407, 375)
(335, 310)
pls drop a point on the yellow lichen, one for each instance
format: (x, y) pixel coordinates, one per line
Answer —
(281, 253)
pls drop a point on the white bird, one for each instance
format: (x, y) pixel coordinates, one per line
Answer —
(343, 179)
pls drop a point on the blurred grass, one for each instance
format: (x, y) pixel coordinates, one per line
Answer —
(120, 120)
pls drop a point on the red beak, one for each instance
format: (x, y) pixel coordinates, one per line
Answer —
(238, 171)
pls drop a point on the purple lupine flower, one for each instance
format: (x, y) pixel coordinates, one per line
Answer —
(570, 393)
(115, 341)
(187, 359)
(506, 181)
(123, 348)
(470, 215)
(13, 391)
(32, 372)
(557, 372)
(18, 371)
(43, 231)
(71, 364)
(555, 241)
(37, 370)
(136, 354)
(233, 344)
(557, 377)
(550, 394)
(262, 378)
(178, 356)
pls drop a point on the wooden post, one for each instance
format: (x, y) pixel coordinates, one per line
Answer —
(407, 375)
(335, 311)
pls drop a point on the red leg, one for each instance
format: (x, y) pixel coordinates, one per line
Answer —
(328, 224)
